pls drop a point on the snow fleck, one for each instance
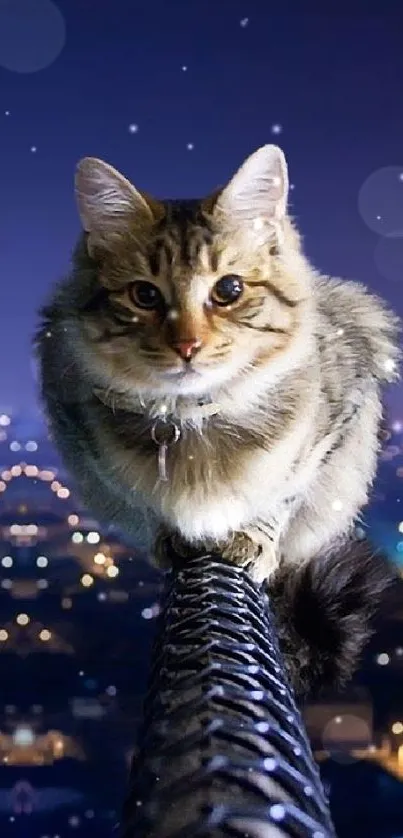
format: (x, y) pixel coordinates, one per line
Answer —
(276, 128)
(133, 128)
(244, 22)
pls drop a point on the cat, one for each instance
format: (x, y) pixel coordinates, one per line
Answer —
(197, 369)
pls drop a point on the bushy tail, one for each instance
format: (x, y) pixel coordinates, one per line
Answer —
(324, 613)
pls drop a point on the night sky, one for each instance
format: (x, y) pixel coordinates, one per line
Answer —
(175, 93)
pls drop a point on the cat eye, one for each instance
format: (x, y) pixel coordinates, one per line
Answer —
(227, 290)
(146, 295)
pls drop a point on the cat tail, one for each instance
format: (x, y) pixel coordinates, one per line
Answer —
(324, 613)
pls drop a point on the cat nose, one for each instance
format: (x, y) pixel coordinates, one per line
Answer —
(187, 348)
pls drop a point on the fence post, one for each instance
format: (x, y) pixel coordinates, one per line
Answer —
(223, 750)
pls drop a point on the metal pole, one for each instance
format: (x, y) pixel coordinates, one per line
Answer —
(223, 750)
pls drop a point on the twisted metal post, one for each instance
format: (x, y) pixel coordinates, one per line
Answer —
(223, 749)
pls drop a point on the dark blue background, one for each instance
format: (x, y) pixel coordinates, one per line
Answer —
(202, 84)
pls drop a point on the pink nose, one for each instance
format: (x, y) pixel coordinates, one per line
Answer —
(187, 348)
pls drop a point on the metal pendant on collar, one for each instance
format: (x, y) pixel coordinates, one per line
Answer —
(165, 433)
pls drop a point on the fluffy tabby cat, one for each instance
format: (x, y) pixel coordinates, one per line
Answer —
(202, 324)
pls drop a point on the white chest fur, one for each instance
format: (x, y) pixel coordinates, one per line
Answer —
(200, 501)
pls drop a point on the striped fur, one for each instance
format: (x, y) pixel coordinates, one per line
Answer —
(282, 470)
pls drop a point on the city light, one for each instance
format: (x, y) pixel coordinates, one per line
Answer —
(45, 635)
(3, 635)
(23, 529)
(93, 537)
(397, 728)
(22, 619)
(7, 561)
(31, 471)
(42, 561)
(77, 537)
(112, 571)
(73, 520)
(87, 580)
(46, 475)
(99, 558)
(4, 420)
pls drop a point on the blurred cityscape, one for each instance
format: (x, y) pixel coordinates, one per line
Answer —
(77, 612)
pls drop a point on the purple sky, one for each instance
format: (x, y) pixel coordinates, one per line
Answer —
(205, 83)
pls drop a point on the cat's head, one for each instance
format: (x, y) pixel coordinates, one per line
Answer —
(194, 293)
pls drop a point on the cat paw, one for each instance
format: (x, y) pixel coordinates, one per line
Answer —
(250, 549)
(254, 551)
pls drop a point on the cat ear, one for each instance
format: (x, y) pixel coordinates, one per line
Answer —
(108, 204)
(257, 194)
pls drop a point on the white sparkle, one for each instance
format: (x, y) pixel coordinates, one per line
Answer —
(337, 505)
(397, 427)
(135, 319)
(292, 185)
(258, 223)
(163, 409)
(400, 176)
(7, 113)
(276, 128)
(34, 149)
(133, 128)
(112, 691)
(190, 146)
(244, 22)
(383, 659)
(184, 68)
(378, 217)
(389, 365)
(173, 314)
(340, 332)
(277, 812)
